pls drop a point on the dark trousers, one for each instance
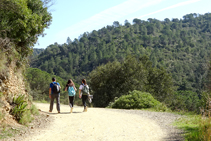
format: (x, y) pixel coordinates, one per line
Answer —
(71, 99)
(57, 97)
(84, 98)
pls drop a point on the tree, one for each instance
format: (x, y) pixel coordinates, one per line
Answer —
(127, 24)
(180, 46)
(69, 41)
(116, 79)
(23, 21)
(136, 21)
(116, 24)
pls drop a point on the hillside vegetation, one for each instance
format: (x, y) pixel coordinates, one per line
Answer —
(21, 23)
(181, 46)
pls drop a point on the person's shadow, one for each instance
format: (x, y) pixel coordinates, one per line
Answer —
(60, 112)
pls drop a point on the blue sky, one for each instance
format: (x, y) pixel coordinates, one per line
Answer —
(71, 18)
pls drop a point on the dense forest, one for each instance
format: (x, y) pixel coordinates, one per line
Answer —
(181, 46)
(37, 51)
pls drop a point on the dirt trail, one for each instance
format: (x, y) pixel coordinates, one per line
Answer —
(98, 124)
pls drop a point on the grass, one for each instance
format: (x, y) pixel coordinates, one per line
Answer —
(34, 110)
(26, 118)
(41, 101)
(196, 127)
(7, 131)
(28, 115)
(1, 94)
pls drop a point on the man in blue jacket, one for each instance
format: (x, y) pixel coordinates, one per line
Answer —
(54, 93)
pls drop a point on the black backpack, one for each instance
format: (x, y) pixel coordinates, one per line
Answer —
(55, 88)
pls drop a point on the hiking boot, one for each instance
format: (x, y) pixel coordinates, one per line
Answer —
(58, 111)
(85, 110)
(50, 111)
(71, 110)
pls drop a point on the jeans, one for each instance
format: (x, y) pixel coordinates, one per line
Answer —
(84, 98)
(57, 97)
(71, 99)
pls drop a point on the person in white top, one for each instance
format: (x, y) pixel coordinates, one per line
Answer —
(83, 93)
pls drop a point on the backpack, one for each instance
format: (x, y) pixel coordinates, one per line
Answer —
(85, 90)
(55, 88)
(71, 91)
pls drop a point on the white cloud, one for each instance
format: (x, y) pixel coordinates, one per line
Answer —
(106, 17)
(171, 7)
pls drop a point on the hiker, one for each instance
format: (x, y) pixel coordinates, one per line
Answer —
(54, 93)
(70, 87)
(84, 92)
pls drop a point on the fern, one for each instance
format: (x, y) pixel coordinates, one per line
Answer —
(20, 107)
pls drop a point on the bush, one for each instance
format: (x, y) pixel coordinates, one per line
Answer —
(19, 107)
(26, 118)
(34, 110)
(136, 100)
(196, 127)
(185, 101)
(118, 78)
(20, 111)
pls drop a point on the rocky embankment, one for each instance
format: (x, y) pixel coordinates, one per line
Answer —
(11, 85)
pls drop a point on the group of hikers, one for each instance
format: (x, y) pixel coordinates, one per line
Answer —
(54, 93)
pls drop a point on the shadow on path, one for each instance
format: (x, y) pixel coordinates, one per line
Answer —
(60, 113)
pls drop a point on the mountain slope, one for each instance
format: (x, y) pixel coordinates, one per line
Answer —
(181, 46)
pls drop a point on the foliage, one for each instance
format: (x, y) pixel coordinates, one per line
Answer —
(1, 94)
(37, 51)
(23, 21)
(185, 101)
(181, 46)
(19, 108)
(135, 100)
(39, 82)
(34, 110)
(26, 117)
(197, 127)
(20, 111)
(116, 79)
(8, 132)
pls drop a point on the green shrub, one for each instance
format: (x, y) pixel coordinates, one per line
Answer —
(136, 100)
(185, 101)
(196, 127)
(19, 108)
(26, 118)
(34, 110)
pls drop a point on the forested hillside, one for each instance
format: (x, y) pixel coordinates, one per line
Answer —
(182, 46)
(37, 51)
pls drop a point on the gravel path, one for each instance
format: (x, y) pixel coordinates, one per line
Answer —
(99, 124)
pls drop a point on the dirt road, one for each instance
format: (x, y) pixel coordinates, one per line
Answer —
(98, 124)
